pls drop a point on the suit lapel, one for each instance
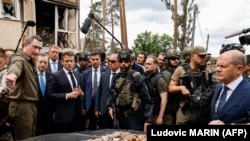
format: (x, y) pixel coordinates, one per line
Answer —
(215, 98)
(234, 99)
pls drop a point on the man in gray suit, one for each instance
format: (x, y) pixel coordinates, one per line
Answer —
(101, 112)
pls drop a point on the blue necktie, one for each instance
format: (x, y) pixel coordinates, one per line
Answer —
(54, 67)
(222, 99)
(42, 83)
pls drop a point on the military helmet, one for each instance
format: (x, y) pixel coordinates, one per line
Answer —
(173, 53)
(84, 56)
(232, 46)
(125, 54)
(185, 52)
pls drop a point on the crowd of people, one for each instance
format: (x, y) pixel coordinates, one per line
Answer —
(46, 94)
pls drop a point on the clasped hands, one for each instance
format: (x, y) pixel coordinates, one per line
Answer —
(77, 92)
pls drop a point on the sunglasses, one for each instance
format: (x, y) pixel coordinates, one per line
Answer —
(111, 61)
(124, 60)
(174, 58)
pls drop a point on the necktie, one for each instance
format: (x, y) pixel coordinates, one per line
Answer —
(222, 99)
(54, 66)
(95, 83)
(42, 84)
(112, 78)
(72, 80)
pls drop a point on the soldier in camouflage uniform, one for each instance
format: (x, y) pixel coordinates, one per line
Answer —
(131, 100)
(172, 61)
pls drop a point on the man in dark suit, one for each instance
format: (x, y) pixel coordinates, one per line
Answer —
(55, 63)
(64, 88)
(89, 86)
(230, 102)
(101, 106)
(45, 107)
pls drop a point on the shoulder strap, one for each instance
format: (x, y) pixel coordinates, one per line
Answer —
(155, 78)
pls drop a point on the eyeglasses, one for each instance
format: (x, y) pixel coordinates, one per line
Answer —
(111, 61)
(174, 58)
(124, 60)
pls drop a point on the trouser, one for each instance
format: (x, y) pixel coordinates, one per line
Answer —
(93, 121)
(105, 121)
(25, 115)
(132, 120)
(168, 119)
(183, 117)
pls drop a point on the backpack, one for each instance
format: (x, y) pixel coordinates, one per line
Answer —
(200, 98)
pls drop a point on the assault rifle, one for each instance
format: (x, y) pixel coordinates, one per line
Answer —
(115, 121)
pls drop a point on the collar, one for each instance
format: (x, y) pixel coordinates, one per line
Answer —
(98, 69)
(51, 61)
(232, 85)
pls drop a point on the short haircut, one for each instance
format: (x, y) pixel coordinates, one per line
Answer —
(68, 53)
(54, 46)
(155, 59)
(32, 37)
(144, 54)
(95, 53)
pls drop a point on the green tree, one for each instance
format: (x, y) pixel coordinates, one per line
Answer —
(152, 43)
(184, 22)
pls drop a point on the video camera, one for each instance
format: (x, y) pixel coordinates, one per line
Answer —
(244, 39)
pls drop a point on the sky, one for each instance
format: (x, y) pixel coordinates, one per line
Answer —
(216, 19)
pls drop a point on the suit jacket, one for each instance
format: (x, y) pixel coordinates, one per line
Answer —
(59, 85)
(103, 92)
(236, 107)
(87, 87)
(60, 66)
(45, 106)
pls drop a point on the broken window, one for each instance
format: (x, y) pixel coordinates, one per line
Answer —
(9, 9)
(66, 27)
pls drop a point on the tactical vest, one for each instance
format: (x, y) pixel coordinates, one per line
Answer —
(128, 97)
(154, 93)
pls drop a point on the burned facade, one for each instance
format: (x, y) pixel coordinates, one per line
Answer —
(57, 22)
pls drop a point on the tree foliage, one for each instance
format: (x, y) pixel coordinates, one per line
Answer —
(184, 21)
(152, 43)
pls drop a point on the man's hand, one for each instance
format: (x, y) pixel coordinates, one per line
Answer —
(185, 92)
(78, 91)
(216, 122)
(145, 126)
(83, 112)
(97, 114)
(159, 121)
(10, 80)
(110, 110)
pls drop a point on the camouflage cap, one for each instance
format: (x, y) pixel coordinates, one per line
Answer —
(200, 50)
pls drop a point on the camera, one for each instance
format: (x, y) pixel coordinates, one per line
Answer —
(244, 40)
(232, 46)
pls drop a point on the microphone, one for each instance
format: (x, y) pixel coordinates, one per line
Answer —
(30, 23)
(237, 33)
(86, 25)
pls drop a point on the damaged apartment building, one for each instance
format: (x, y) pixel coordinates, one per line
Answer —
(56, 21)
